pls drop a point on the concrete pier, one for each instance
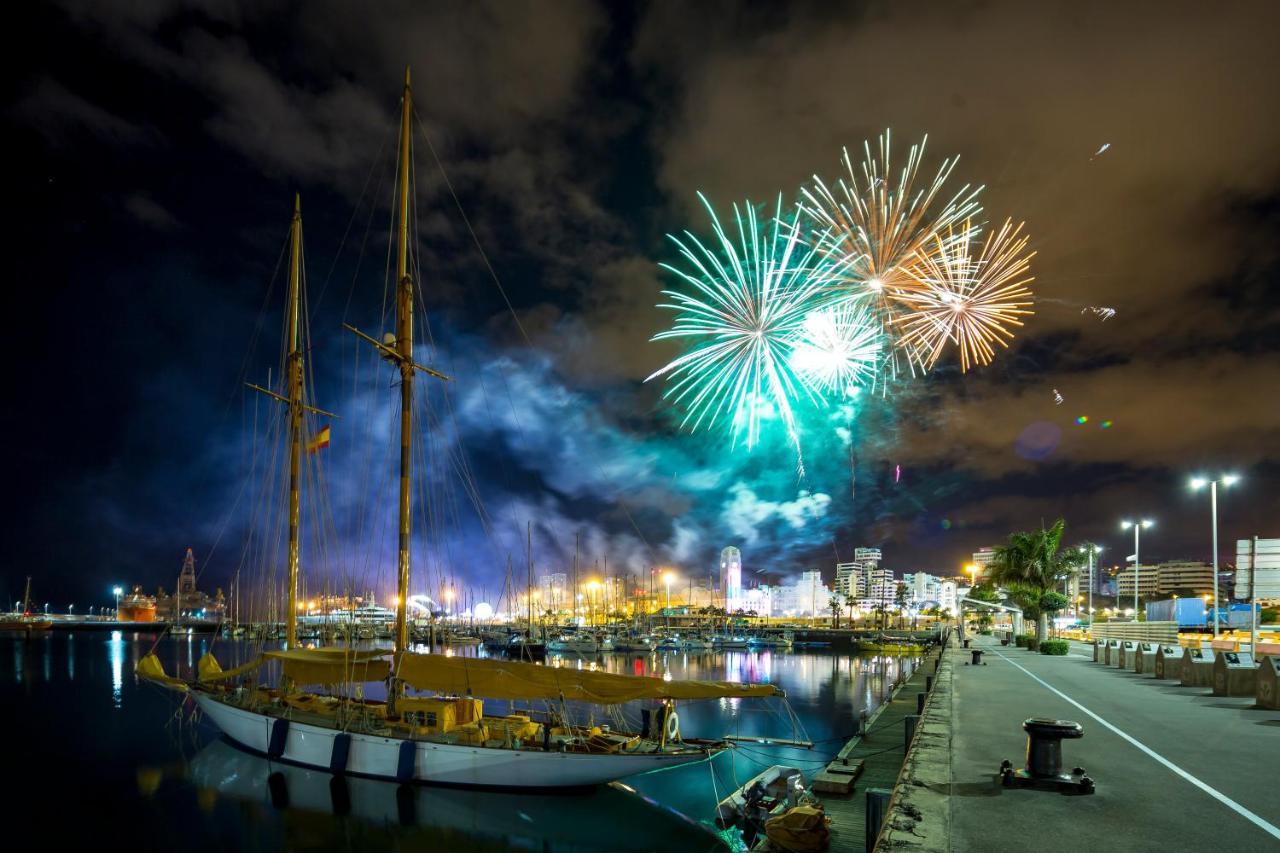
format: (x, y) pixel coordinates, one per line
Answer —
(1176, 768)
(872, 760)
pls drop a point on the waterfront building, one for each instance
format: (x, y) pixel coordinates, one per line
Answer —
(1258, 570)
(866, 555)
(1174, 576)
(948, 596)
(922, 587)
(879, 585)
(849, 579)
(731, 578)
(1148, 581)
(807, 597)
(982, 558)
(759, 599)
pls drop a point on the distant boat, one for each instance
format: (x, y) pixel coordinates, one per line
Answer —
(26, 622)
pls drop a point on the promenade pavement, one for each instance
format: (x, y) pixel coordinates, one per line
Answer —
(1176, 768)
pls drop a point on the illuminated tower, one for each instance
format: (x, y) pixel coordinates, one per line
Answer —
(731, 578)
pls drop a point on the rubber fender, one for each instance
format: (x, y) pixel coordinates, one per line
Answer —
(279, 734)
(341, 749)
(408, 759)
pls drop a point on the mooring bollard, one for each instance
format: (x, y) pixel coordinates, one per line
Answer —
(910, 721)
(928, 684)
(977, 657)
(1044, 757)
(877, 811)
(920, 697)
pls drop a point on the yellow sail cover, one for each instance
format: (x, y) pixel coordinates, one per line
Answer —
(500, 679)
(333, 666)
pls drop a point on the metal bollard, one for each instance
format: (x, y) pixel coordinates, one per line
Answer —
(910, 721)
(877, 811)
(920, 697)
(928, 684)
(977, 657)
(937, 663)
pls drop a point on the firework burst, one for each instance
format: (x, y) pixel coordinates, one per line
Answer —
(747, 300)
(839, 348)
(876, 223)
(965, 300)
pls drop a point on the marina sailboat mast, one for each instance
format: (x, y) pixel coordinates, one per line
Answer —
(400, 352)
(293, 369)
(404, 348)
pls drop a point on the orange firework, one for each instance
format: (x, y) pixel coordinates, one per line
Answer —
(878, 219)
(957, 298)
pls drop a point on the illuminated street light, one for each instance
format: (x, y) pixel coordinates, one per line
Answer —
(1137, 528)
(1092, 550)
(1198, 483)
(119, 591)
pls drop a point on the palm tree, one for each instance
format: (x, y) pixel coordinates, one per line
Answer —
(835, 605)
(850, 602)
(1031, 566)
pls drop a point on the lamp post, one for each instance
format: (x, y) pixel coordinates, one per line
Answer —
(1198, 483)
(1137, 528)
(119, 591)
(1092, 551)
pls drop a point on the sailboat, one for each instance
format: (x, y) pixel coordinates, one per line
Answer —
(445, 736)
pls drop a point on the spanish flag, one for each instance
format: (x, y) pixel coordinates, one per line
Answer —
(320, 442)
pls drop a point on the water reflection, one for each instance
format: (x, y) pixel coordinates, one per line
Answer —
(116, 654)
(827, 690)
(434, 818)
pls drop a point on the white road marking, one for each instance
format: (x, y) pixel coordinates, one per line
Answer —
(1266, 826)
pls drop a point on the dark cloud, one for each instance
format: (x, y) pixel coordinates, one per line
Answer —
(574, 136)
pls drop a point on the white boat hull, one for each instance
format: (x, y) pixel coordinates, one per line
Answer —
(438, 763)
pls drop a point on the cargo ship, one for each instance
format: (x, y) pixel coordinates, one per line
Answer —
(136, 607)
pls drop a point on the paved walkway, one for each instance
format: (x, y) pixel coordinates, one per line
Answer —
(1175, 767)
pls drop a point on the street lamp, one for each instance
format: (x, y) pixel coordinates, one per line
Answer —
(1198, 483)
(1092, 550)
(1137, 528)
(119, 591)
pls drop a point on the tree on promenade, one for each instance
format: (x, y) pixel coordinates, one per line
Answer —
(1031, 566)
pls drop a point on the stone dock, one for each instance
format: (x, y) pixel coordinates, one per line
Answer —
(1176, 768)
(871, 760)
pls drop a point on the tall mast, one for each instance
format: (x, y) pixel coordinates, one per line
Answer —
(404, 345)
(293, 368)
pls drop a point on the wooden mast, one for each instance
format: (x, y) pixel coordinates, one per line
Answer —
(293, 368)
(404, 346)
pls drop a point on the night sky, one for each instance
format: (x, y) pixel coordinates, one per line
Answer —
(154, 150)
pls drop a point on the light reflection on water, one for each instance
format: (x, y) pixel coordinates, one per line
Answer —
(95, 707)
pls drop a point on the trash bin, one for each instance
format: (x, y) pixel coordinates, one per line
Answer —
(1234, 674)
(1168, 662)
(1197, 667)
(1268, 689)
(1124, 654)
(1144, 659)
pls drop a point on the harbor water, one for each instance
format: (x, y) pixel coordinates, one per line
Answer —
(97, 757)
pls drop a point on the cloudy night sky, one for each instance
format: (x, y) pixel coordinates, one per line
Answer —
(155, 147)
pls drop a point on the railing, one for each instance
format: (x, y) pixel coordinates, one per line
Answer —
(1146, 632)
